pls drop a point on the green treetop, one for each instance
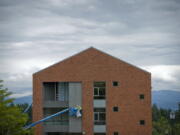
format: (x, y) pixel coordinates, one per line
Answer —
(11, 118)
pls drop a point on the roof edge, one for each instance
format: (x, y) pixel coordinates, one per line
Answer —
(91, 47)
(123, 61)
(62, 60)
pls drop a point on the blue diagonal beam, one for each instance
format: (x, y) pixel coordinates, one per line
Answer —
(46, 118)
(29, 106)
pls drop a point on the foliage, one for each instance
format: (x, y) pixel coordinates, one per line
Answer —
(161, 127)
(176, 129)
(23, 107)
(11, 118)
(162, 124)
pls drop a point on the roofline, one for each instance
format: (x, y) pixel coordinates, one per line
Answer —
(86, 50)
(123, 61)
(62, 60)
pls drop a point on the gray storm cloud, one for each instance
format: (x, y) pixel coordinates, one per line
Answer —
(36, 34)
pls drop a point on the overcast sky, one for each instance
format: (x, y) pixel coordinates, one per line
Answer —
(37, 33)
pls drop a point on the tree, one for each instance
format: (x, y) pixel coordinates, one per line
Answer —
(25, 106)
(155, 113)
(162, 124)
(176, 129)
(161, 127)
(11, 118)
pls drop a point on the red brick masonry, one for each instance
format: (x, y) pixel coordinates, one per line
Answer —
(93, 65)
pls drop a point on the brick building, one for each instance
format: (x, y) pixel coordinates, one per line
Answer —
(115, 96)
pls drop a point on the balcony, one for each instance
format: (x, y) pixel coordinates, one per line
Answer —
(55, 94)
(59, 123)
(56, 128)
(59, 95)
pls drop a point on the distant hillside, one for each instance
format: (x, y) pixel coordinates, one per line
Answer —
(164, 98)
(26, 99)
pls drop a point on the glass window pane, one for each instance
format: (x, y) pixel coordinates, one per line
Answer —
(102, 91)
(95, 116)
(95, 91)
(115, 109)
(99, 90)
(102, 116)
(115, 83)
(62, 91)
(142, 122)
(141, 96)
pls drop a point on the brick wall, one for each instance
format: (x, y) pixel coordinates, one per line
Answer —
(92, 65)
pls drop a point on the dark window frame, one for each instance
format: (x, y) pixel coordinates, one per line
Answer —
(116, 133)
(115, 109)
(115, 83)
(142, 122)
(99, 90)
(99, 116)
(141, 96)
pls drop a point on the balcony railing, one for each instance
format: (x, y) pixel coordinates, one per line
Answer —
(61, 122)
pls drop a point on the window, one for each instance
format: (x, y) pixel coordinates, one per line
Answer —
(142, 122)
(58, 120)
(115, 109)
(141, 96)
(62, 91)
(99, 90)
(49, 91)
(115, 133)
(56, 91)
(99, 116)
(115, 83)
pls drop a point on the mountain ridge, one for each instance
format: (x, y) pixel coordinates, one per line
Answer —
(167, 99)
